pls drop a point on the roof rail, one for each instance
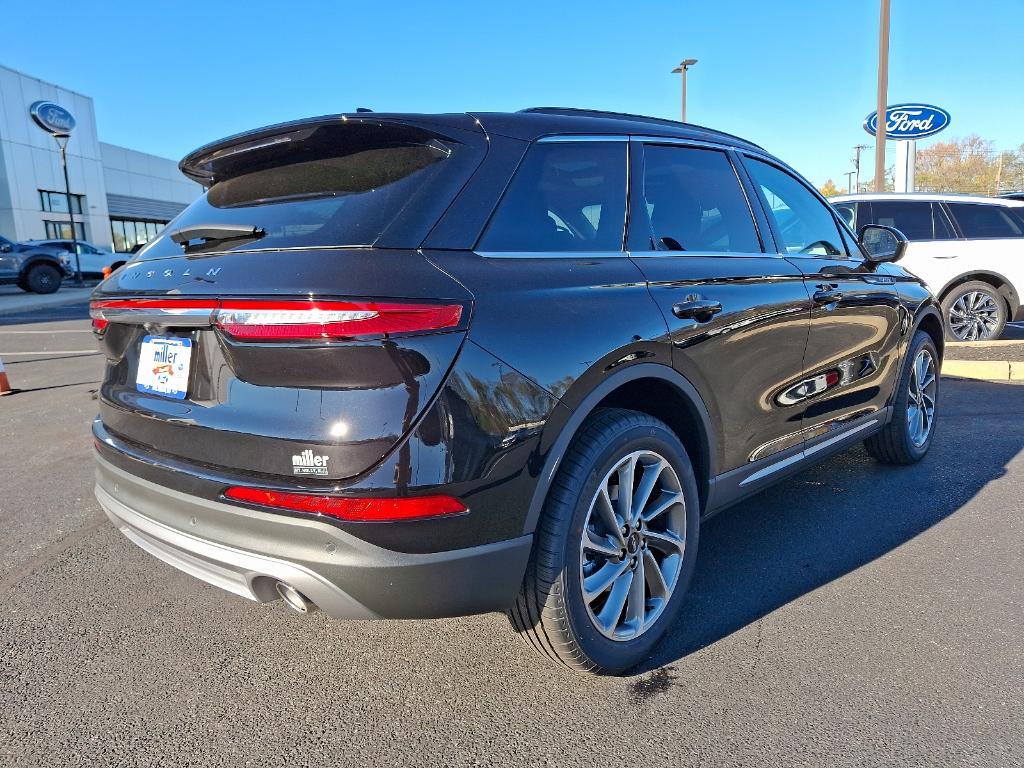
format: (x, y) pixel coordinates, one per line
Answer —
(575, 112)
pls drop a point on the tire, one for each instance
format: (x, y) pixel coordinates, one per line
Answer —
(550, 612)
(899, 442)
(43, 278)
(974, 311)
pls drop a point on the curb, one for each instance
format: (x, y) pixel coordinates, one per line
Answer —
(12, 304)
(984, 370)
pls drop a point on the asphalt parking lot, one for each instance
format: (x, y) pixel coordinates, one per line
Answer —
(854, 615)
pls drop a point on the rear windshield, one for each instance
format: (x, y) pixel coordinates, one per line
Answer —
(336, 187)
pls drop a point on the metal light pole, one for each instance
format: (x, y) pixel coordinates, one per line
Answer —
(684, 65)
(849, 181)
(883, 87)
(62, 142)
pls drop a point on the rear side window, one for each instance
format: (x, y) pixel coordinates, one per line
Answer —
(339, 186)
(563, 197)
(694, 202)
(977, 220)
(918, 220)
(804, 223)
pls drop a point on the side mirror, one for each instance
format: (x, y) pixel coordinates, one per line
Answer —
(882, 244)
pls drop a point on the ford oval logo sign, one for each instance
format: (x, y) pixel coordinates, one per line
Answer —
(909, 121)
(52, 118)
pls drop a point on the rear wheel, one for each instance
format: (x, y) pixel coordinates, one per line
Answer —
(974, 311)
(908, 435)
(615, 546)
(43, 278)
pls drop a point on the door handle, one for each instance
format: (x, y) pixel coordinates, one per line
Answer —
(701, 310)
(827, 293)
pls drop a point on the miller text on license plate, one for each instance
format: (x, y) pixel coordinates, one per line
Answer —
(163, 366)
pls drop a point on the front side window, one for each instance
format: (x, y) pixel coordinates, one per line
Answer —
(694, 202)
(979, 220)
(564, 197)
(804, 223)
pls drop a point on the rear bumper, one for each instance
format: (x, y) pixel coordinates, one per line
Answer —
(246, 552)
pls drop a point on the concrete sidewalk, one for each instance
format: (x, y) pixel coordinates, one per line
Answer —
(13, 299)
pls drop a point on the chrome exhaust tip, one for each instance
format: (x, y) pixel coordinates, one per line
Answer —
(294, 599)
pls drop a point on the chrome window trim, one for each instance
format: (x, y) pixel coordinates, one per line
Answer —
(562, 138)
(578, 255)
(680, 141)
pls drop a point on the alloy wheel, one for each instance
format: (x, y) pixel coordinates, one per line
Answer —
(632, 545)
(974, 316)
(921, 402)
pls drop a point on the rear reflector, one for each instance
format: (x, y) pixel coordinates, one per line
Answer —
(262, 320)
(350, 509)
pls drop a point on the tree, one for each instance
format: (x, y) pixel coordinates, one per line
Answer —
(969, 164)
(829, 189)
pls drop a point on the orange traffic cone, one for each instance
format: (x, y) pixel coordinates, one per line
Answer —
(5, 384)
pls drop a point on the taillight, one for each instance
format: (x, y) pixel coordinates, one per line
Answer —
(291, 320)
(364, 510)
(283, 320)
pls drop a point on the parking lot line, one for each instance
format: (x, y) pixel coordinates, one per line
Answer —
(53, 352)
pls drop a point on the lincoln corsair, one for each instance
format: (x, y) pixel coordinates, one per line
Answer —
(412, 366)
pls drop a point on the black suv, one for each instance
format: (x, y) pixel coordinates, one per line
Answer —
(32, 266)
(407, 366)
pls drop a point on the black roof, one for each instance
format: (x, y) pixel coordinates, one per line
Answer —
(528, 124)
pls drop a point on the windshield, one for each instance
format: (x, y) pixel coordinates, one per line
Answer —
(345, 188)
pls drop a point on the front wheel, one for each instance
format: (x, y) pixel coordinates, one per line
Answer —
(974, 311)
(908, 435)
(615, 546)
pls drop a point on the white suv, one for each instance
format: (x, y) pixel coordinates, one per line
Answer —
(969, 250)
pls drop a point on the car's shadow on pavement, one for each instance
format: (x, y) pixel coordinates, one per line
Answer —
(832, 519)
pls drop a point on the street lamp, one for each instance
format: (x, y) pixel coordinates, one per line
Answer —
(62, 142)
(684, 65)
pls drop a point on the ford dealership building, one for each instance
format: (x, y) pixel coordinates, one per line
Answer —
(119, 197)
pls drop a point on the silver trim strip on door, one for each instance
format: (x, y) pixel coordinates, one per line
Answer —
(771, 469)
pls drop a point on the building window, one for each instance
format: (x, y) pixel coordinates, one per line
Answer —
(129, 233)
(57, 202)
(61, 230)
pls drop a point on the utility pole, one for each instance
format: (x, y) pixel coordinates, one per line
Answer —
(856, 162)
(684, 65)
(883, 98)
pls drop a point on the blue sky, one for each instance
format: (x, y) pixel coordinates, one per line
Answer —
(796, 76)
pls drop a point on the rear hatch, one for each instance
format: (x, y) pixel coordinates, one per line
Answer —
(285, 324)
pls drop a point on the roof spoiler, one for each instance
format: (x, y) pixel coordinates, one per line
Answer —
(215, 161)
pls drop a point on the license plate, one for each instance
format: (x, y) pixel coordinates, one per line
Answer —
(163, 366)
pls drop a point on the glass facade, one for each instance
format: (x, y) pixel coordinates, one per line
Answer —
(128, 233)
(57, 202)
(61, 230)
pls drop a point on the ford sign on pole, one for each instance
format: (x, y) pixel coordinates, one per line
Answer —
(59, 123)
(909, 121)
(52, 118)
